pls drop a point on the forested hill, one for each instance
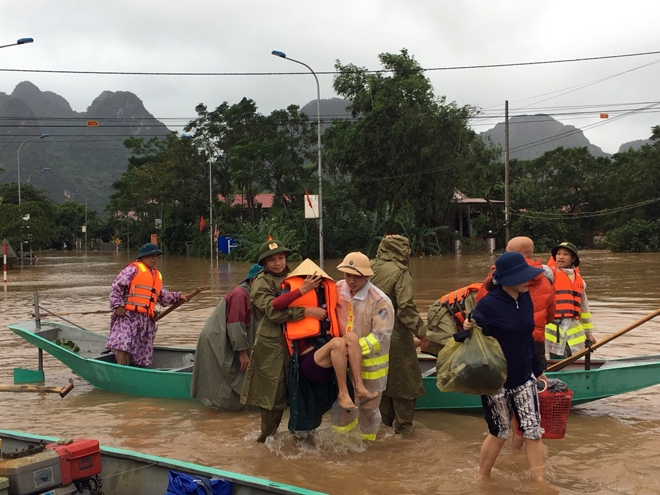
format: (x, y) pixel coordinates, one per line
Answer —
(83, 160)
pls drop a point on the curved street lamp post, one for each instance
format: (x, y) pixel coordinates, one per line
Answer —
(18, 160)
(318, 146)
(46, 169)
(22, 41)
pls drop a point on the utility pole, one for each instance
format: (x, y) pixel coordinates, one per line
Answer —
(507, 195)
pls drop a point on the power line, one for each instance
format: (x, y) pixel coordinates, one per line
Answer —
(203, 74)
(578, 216)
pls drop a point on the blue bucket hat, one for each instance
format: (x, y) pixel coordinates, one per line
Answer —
(512, 269)
(148, 249)
(254, 270)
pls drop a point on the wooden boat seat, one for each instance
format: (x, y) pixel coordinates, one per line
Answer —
(107, 357)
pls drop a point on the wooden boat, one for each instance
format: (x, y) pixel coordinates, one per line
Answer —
(605, 378)
(125, 471)
(171, 374)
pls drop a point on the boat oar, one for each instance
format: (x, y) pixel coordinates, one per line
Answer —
(38, 388)
(565, 362)
(177, 304)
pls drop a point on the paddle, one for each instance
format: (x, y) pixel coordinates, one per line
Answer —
(177, 304)
(38, 388)
(565, 362)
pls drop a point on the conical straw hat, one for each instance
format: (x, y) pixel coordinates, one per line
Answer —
(308, 267)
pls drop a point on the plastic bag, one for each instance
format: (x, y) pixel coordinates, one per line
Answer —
(192, 484)
(475, 366)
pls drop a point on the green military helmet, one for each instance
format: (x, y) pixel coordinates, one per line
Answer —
(566, 245)
(271, 247)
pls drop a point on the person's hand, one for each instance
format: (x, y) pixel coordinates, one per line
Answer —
(424, 342)
(591, 338)
(120, 311)
(467, 325)
(310, 282)
(184, 297)
(244, 360)
(316, 313)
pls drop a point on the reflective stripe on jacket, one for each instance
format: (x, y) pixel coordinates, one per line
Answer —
(144, 291)
(308, 326)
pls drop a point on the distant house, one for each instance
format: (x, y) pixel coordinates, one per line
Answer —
(464, 210)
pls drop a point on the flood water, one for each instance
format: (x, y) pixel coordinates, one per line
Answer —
(612, 446)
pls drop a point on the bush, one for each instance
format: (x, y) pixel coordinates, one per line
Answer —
(637, 236)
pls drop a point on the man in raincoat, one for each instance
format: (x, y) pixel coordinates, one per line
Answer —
(266, 380)
(404, 380)
(365, 311)
(223, 349)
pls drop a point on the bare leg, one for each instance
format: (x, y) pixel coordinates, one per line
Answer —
(489, 452)
(122, 357)
(355, 362)
(535, 458)
(333, 354)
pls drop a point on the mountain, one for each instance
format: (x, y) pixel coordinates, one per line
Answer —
(333, 108)
(635, 145)
(532, 135)
(84, 159)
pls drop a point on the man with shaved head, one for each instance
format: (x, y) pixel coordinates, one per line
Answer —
(540, 288)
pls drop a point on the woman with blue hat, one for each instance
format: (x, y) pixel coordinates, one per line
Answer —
(224, 347)
(133, 298)
(507, 313)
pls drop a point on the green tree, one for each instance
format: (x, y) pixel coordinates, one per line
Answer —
(405, 146)
(32, 222)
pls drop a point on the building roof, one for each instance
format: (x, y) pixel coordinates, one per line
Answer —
(265, 200)
(461, 198)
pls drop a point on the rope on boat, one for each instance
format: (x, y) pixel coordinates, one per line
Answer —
(129, 470)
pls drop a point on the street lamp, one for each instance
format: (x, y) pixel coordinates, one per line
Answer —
(187, 136)
(22, 41)
(46, 169)
(18, 159)
(318, 146)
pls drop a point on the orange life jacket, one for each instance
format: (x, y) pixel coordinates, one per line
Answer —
(568, 293)
(309, 327)
(144, 291)
(455, 302)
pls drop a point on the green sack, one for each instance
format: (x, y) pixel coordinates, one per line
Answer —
(475, 366)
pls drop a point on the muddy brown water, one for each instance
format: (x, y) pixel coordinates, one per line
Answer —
(612, 446)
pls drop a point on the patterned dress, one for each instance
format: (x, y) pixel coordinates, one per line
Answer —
(135, 332)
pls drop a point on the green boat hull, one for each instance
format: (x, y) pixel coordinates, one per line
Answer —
(171, 377)
(126, 471)
(605, 379)
(145, 382)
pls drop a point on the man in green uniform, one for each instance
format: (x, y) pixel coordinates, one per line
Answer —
(404, 380)
(267, 375)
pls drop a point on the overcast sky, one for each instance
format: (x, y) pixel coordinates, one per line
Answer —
(239, 35)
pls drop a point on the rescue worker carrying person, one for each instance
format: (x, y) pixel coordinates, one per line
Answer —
(365, 312)
(266, 379)
(320, 351)
(572, 326)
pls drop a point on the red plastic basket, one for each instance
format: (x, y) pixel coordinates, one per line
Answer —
(554, 410)
(555, 407)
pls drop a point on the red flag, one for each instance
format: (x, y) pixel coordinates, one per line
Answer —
(309, 200)
(202, 224)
